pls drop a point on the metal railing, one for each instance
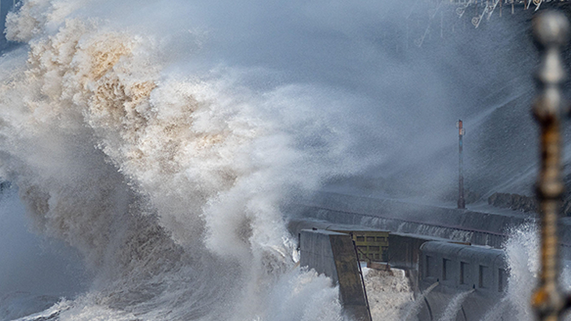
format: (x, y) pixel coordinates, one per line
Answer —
(550, 30)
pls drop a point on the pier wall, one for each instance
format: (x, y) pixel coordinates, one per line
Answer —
(472, 226)
(333, 254)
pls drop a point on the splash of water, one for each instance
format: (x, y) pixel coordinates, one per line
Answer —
(496, 313)
(415, 308)
(170, 187)
(389, 293)
(523, 261)
(522, 252)
(167, 163)
(454, 306)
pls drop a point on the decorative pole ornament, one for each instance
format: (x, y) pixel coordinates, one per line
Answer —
(550, 31)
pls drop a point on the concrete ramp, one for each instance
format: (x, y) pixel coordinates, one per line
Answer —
(333, 254)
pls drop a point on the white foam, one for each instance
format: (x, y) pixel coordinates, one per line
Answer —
(390, 294)
(454, 306)
(171, 187)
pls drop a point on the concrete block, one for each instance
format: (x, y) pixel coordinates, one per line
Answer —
(333, 254)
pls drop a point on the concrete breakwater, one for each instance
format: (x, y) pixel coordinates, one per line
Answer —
(437, 245)
(480, 226)
(458, 271)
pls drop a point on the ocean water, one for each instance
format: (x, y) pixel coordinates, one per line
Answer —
(168, 186)
(156, 143)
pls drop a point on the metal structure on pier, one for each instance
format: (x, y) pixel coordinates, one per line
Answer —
(551, 33)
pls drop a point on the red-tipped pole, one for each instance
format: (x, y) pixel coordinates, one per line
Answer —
(461, 201)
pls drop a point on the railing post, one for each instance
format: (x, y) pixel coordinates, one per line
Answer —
(550, 31)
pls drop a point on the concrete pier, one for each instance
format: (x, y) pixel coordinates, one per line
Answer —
(333, 254)
(482, 226)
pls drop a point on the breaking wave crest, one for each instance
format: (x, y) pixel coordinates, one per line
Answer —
(171, 187)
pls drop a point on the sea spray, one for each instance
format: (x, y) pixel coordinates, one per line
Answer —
(389, 292)
(171, 188)
(412, 312)
(49, 314)
(497, 312)
(169, 173)
(522, 252)
(454, 306)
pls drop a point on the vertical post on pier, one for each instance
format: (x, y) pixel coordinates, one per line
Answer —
(461, 201)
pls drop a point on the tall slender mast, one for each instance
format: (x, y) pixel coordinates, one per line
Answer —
(461, 201)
